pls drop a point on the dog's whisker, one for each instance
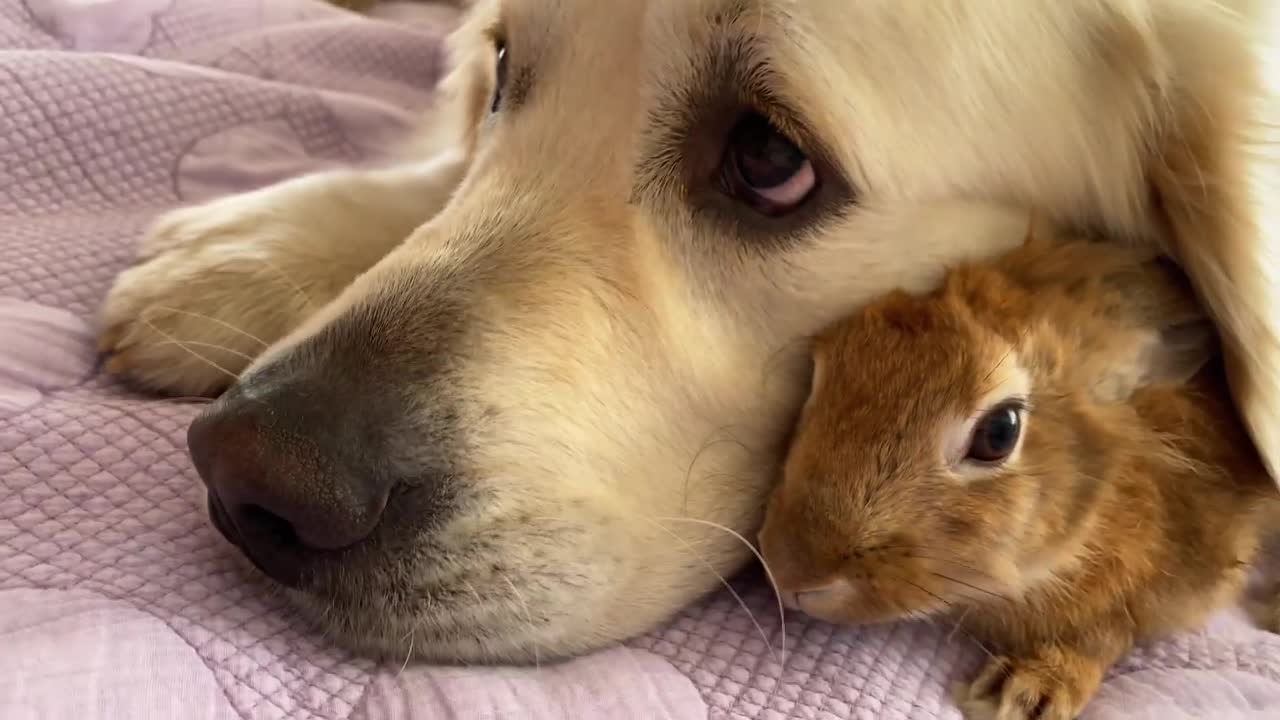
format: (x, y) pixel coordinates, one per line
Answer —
(408, 655)
(210, 318)
(293, 284)
(177, 400)
(211, 346)
(727, 585)
(193, 353)
(773, 584)
(711, 442)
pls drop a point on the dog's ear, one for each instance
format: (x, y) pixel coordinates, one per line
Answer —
(1214, 172)
(452, 123)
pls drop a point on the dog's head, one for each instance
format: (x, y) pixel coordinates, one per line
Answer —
(537, 425)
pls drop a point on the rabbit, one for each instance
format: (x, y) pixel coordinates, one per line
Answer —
(1043, 451)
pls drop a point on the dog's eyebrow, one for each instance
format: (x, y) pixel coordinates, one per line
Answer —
(731, 70)
(729, 74)
(723, 76)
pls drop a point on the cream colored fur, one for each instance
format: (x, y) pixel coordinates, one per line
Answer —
(635, 367)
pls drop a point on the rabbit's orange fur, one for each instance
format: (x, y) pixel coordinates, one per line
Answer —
(1133, 506)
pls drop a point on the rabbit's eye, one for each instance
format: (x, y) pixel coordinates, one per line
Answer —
(996, 434)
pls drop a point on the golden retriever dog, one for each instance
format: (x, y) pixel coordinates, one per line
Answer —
(524, 392)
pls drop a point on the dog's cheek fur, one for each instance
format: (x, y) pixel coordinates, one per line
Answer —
(591, 400)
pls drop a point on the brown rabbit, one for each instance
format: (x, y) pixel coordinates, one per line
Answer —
(1043, 451)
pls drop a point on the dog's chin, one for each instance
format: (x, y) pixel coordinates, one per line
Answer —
(508, 600)
(446, 628)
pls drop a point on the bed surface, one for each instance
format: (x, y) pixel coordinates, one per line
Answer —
(117, 600)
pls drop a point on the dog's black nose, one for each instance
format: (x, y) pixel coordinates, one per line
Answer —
(286, 468)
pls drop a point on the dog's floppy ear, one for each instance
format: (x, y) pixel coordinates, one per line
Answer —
(1214, 169)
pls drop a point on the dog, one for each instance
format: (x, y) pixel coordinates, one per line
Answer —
(522, 392)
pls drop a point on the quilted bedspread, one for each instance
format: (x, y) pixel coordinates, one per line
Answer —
(117, 600)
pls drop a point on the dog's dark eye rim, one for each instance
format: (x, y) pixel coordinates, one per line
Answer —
(500, 73)
(696, 148)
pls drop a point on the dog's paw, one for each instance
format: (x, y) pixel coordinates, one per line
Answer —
(213, 286)
(1028, 689)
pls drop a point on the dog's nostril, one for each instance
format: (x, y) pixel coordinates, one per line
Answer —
(267, 526)
(311, 525)
(270, 513)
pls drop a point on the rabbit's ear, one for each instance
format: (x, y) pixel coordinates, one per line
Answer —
(1169, 335)
(1180, 351)
(1151, 356)
(1162, 333)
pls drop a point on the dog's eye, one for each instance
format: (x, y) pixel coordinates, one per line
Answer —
(764, 169)
(996, 434)
(500, 73)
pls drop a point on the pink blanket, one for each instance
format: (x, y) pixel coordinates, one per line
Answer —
(116, 598)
